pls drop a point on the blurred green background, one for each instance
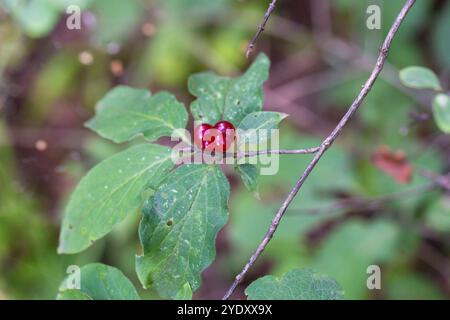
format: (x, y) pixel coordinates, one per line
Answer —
(350, 213)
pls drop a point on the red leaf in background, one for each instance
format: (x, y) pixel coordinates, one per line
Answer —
(393, 163)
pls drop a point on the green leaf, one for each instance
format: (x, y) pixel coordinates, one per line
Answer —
(249, 174)
(36, 17)
(441, 112)
(185, 293)
(255, 127)
(109, 192)
(72, 294)
(250, 125)
(179, 228)
(223, 98)
(98, 282)
(298, 284)
(125, 113)
(210, 90)
(420, 78)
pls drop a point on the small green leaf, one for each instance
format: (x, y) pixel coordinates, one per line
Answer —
(109, 192)
(256, 127)
(231, 99)
(298, 284)
(185, 293)
(420, 78)
(36, 17)
(125, 113)
(441, 112)
(249, 174)
(179, 228)
(251, 137)
(210, 92)
(98, 282)
(72, 294)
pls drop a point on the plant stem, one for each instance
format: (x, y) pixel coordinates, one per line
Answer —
(261, 28)
(325, 144)
(261, 152)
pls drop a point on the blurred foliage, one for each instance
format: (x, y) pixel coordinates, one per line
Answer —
(441, 44)
(51, 78)
(29, 265)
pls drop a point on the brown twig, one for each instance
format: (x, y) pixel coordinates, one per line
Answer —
(263, 152)
(325, 144)
(261, 28)
(260, 152)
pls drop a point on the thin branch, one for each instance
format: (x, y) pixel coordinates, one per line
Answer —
(325, 144)
(260, 152)
(261, 28)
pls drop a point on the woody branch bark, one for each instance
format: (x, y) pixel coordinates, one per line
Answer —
(261, 28)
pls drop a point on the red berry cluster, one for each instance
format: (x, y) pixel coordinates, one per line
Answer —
(214, 138)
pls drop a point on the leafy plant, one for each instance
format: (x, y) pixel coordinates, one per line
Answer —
(184, 207)
(423, 78)
(98, 282)
(299, 284)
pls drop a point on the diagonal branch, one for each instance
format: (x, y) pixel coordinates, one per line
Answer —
(384, 50)
(261, 28)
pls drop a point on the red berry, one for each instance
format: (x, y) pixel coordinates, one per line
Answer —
(199, 132)
(218, 138)
(228, 134)
(222, 126)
